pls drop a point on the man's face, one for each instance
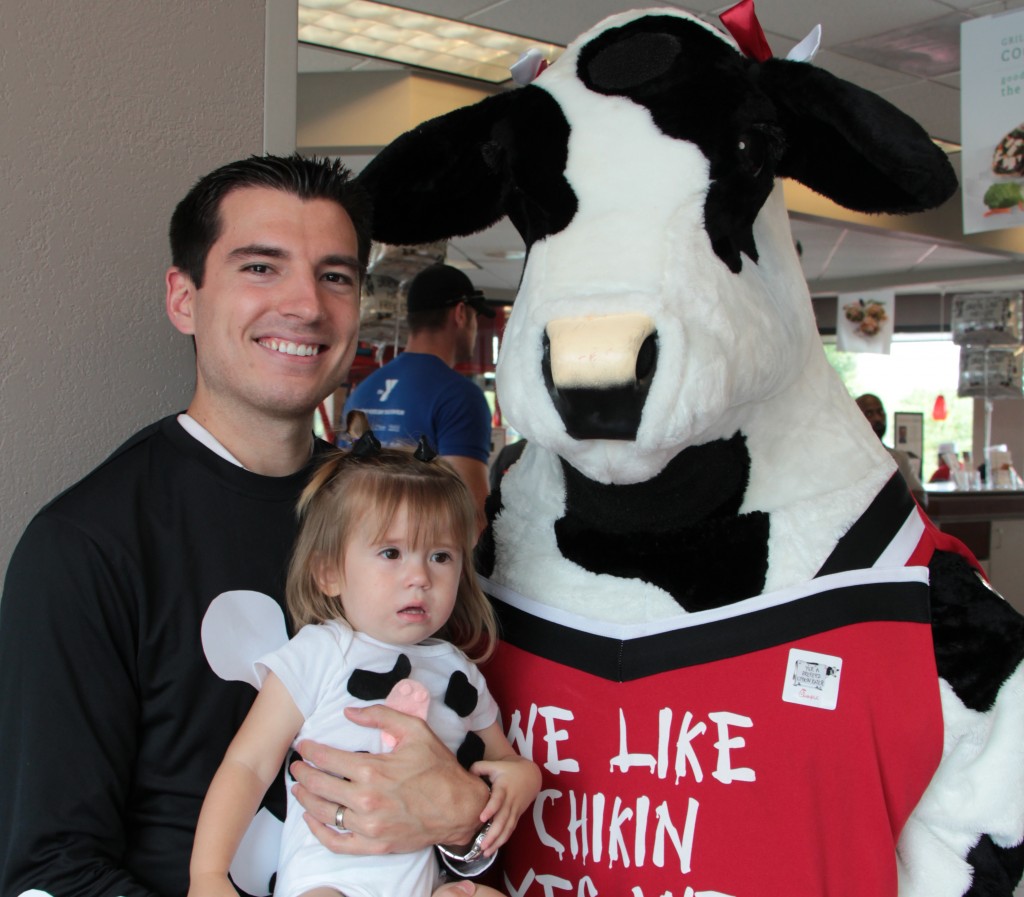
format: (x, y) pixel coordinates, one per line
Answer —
(874, 411)
(276, 319)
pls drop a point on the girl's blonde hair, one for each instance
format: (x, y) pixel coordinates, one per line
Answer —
(345, 488)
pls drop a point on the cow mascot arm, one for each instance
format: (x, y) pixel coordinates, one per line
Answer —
(702, 520)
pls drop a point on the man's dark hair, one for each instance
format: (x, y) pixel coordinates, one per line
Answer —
(196, 224)
(430, 319)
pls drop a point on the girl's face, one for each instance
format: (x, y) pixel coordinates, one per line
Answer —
(390, 589)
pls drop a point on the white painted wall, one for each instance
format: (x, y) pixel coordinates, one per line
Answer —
(109, 113)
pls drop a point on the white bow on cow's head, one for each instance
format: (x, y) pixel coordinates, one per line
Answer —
(661, 297)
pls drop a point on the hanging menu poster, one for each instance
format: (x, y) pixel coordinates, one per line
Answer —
(992, 121)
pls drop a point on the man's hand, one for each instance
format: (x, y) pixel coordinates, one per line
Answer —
(414, 797)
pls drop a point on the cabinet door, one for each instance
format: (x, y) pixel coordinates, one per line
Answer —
(1006, 562)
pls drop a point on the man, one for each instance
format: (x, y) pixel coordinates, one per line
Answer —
(872, 408)
(418, 393)
(136, 601)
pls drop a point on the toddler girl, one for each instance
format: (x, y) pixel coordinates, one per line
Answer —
(382, 564)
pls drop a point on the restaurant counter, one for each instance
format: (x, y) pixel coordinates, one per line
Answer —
(990, 522)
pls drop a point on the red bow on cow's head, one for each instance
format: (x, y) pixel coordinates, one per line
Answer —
(741, 21)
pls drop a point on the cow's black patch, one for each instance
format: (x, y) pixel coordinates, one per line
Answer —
(483, 554)
(471, 750)
(460, 696)
(699, 89)
(979, 638)
(630, 61)
(370, 686)
(681, 530)
(997, 870)
(530, 148)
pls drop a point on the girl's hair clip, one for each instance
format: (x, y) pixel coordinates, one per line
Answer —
(366, 446)
(424, 451)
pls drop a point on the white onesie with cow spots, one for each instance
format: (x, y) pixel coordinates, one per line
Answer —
(321, 667)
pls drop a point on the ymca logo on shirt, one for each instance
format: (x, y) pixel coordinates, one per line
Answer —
(382, 394)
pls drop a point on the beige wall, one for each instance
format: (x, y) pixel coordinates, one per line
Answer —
(110, 111)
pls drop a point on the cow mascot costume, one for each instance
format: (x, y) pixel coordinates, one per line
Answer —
(747, 663)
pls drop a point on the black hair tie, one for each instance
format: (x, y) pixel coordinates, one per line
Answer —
(366, 446)
(424, 451)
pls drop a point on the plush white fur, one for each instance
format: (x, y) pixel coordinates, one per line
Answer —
(815, 485)
(978, 789)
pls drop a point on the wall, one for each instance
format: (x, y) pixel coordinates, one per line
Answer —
(1007, 429)
(363, 111)
(110, 112)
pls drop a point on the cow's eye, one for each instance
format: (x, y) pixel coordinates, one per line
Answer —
(752, 152)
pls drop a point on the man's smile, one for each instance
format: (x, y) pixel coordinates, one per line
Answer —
(287, 347)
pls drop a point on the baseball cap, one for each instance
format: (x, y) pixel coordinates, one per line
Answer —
(441, 286)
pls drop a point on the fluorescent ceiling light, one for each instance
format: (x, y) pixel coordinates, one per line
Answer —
(413, 38)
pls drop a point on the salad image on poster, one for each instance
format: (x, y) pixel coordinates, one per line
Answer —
(991, 125)
(1007, 196)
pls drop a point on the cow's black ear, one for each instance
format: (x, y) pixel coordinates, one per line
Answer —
(851, 145)
(461, 172)
(443, 178)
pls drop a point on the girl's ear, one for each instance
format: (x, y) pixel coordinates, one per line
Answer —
(327, 576)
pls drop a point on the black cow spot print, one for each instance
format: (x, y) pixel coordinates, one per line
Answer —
(471, 750)
(461, 696)
(369, 686)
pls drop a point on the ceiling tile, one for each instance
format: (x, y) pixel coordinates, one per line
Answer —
(844, 21)
(935, 106)
(316, 59)
(864, 74)
(925, 49)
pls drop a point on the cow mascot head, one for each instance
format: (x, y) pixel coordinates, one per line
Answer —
(744, 658)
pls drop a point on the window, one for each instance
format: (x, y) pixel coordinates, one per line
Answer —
(920, 368)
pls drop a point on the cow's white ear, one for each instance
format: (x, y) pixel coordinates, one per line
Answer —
(526, 69)
(807, 49)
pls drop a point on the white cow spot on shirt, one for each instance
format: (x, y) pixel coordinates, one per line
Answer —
(240, 627)
(255, 860)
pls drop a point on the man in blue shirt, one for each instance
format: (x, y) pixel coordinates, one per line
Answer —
(418, 393)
